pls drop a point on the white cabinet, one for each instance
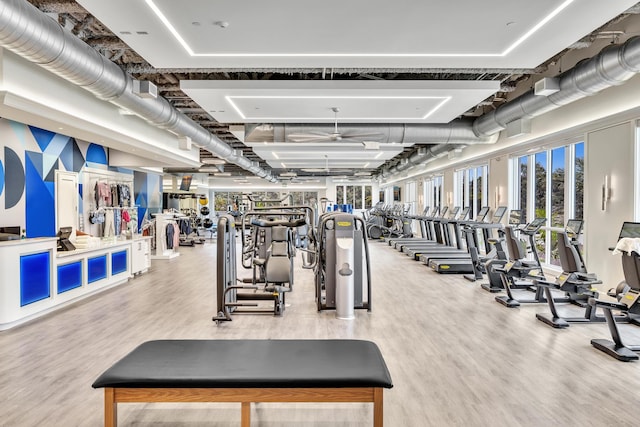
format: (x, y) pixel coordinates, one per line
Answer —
(141, 255)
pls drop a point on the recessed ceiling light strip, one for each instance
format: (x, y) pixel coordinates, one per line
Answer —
(170, 27)
(509, 49)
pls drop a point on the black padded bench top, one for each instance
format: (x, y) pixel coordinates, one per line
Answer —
(249, 364)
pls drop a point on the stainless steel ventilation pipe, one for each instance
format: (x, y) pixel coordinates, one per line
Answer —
(614, 65)
(38, 38)
(456, 132)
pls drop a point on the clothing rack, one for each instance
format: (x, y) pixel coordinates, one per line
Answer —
(162, 220)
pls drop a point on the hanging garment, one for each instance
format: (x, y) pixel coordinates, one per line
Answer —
(109, 226)
(185, 226)
(96, 217)
(102, 194)
(125, 195)
(117, 219)
(176, 235)
(170, 235)
(114, 195)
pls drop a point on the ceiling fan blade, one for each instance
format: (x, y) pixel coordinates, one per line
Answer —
(362, 135)
(307, 134)
(307, 137)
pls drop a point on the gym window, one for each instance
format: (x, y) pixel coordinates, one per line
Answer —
(433, 191)
(308, 198)
(359, 196)
(549, 183)
(411, 196)
(470, 188)
(228, 201)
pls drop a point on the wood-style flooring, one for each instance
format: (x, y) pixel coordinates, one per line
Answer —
(457, 358)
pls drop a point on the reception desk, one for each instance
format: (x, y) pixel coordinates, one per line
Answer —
(36, 279)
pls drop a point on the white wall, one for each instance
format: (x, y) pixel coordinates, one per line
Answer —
(610, 152)
(498, 187)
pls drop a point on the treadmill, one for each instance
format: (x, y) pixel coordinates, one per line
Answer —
(425, 229)
(426, 254)
(462, 263)
(450, 241)
(442, 235)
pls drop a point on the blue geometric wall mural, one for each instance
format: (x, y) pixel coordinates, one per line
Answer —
(80, 200)
(1, 178)
(71, 156)
(40, 205)
(78, 158)
(14, 174)
(30, 182)
(51, 177)
(42, 137)
(140, 192)
(96, 154)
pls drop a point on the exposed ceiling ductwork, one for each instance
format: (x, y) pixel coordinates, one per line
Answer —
(614, 65)
(457, 132)
(33, 35)
(36, 37)
(421, 156)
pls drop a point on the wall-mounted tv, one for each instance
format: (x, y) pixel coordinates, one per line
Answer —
(185, 185)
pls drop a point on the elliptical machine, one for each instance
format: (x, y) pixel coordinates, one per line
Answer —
(575, 281)
(628, 304)
(491, 266)
(520, 268)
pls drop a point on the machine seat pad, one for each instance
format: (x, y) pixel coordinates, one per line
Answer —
(249, 364)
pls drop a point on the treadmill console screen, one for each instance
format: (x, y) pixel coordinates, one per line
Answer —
(482, 214)
(454, 212)
(630, 229)
(464, 213)
(574, 227)
(515, 217)
(535, 224)
(498, 214)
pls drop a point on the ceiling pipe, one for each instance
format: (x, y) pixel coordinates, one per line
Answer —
(36, 37)
(614, 65)
(456, 132)
(421, 156)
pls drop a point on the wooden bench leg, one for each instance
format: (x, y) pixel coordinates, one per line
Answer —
(110, 408)
(245, 418)
(377, 407)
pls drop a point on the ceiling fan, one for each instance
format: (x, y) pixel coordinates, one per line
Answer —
(314, 136)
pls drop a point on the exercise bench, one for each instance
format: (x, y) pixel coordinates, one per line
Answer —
(247, 371)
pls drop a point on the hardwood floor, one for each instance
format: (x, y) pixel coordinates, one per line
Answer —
(457, 358)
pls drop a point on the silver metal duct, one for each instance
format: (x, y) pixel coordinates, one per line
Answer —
(422, 155)
(38, 38)
(613, 66)
(457, 132)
